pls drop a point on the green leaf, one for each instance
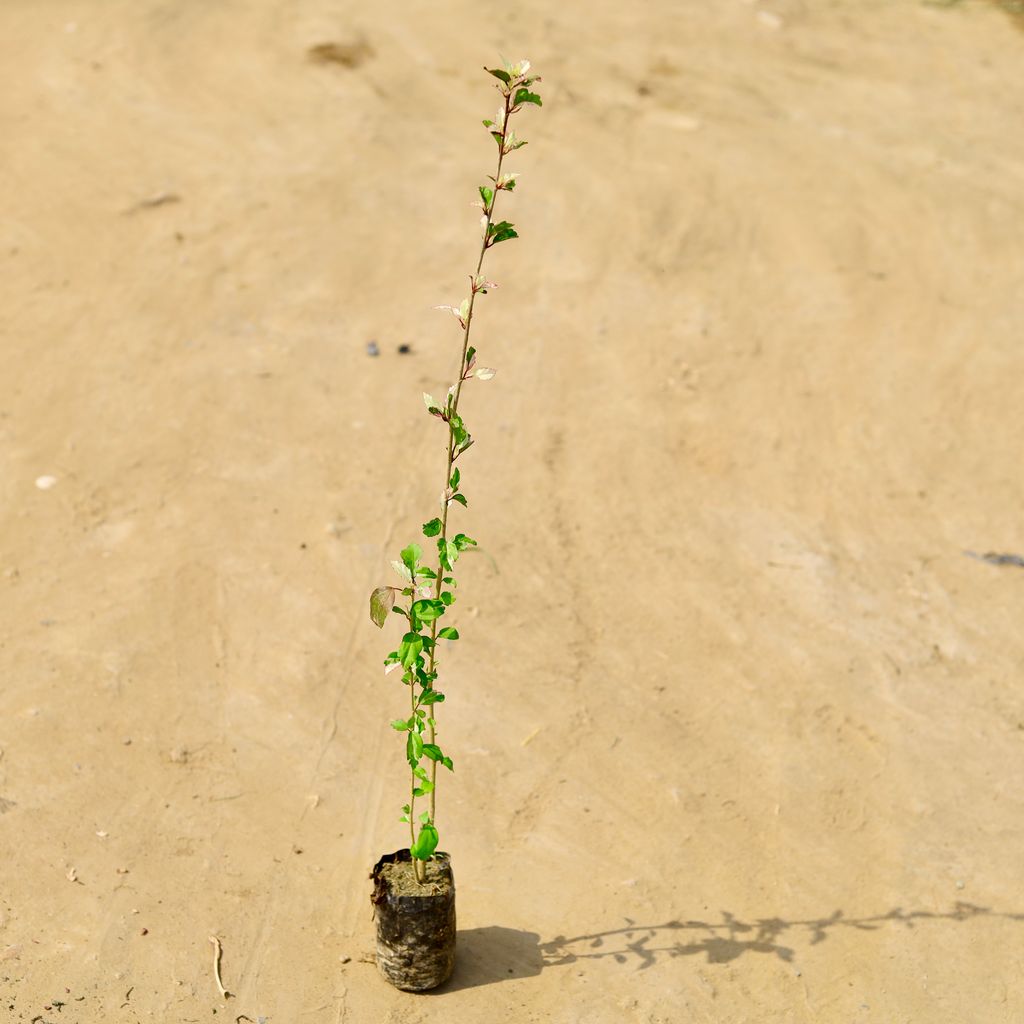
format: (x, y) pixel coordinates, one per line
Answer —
(428, 609)
(401, 724)
(447, 596)
(500, 232)
(426, 843)
(450, 554)
(411, 557)
(458, 428)
(413, 747)
(424, 789)
(461, 541)
(525, 96)
(409, 649)
(442, 552)
(433, 751)
(456, 477)
(460, 498)
(486, 194)
(381, 601)
(424, 817)
(406, 809)
(498, 73)
(448, 633)
(432, 529)
(447, 762)
(470, 353)
(501, 225)
(432, 697)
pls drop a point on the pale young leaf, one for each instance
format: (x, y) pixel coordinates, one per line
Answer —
(453, 310)
(485, 373)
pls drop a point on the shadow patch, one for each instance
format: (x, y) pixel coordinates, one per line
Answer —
(348, 55)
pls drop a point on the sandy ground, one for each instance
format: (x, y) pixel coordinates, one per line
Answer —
(738, 726)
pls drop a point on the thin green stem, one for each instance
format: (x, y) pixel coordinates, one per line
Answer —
(417, 865)
(489, 217)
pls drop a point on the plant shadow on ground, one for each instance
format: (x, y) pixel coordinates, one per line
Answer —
(489, 955)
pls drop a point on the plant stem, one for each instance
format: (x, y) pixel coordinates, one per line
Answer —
(417, 865)
(489, 215)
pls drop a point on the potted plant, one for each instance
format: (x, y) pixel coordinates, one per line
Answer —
(413, 888)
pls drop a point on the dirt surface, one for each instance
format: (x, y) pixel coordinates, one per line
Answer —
(399, 879)
(738, 727)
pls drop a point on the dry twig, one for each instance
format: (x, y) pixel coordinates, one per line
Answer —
(217, 951)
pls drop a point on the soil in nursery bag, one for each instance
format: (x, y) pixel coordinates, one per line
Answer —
(415, 922)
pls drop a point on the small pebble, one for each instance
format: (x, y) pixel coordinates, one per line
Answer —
(404, 349)
(959, 883)
(371, 349)
(44, 483)
(345, 959)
